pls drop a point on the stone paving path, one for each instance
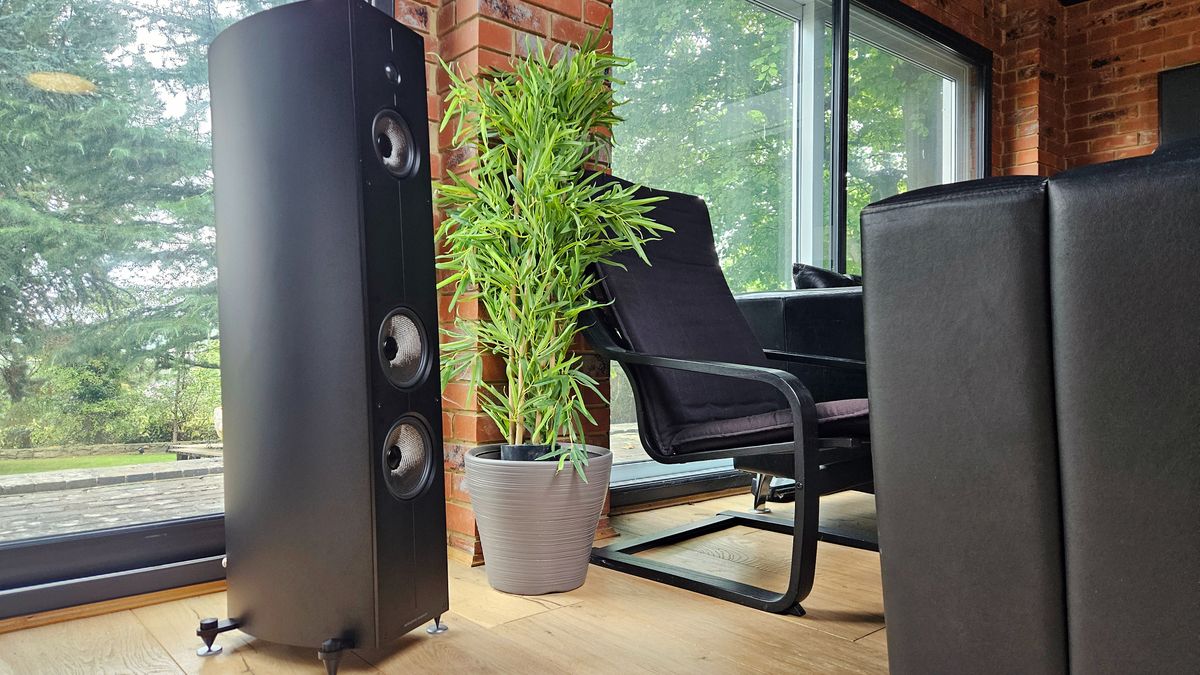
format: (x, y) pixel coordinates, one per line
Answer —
(69, 479)
(625, 445)
(37, 514)
(79, 500)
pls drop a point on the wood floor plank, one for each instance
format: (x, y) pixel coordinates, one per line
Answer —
(466, 647)
(108, 606)
(847, 595)
(846, 599)
(173, 626)
(627, 624)
(615, 623)
(114, 643)
(878, 638)
(473, 598)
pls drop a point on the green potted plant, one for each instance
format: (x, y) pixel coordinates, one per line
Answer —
(521, 233)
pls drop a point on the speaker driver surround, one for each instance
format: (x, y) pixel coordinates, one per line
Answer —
(394, 144)
(402, 349)
(407, 458)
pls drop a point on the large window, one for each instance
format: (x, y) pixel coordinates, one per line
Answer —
(912, 118)
(732, 100)
(713, 110)
(109, 353)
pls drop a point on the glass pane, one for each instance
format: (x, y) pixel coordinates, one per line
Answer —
(712, 111)
(108, 295)
(910, 119)
(826, 129)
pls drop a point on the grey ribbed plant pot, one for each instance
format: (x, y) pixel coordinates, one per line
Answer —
(536, 524)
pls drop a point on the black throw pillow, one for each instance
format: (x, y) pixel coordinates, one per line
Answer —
(810, 276)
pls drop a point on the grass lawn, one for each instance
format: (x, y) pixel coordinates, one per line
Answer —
(10, 467)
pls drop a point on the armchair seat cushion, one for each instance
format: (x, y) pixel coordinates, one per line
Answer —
(846, 417)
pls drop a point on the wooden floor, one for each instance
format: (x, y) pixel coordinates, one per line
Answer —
(615, 623)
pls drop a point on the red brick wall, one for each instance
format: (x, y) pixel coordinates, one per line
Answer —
(1115, 50)
(1074, 85)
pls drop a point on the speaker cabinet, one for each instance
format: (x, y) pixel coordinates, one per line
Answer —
(334, 505)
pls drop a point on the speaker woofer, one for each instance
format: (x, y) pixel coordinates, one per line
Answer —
(406, 458)
(394, 145)
(402, 349)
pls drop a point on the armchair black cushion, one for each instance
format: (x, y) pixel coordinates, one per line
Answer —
(1034, 358)
(966, 477)
(1124, 241)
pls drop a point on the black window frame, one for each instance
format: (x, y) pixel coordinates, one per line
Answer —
(978, 56)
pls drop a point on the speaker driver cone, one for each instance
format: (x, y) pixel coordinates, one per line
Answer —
(394, 144)
(406, 458)
(402, 348)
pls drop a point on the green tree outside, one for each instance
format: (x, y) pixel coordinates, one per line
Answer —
(107, 271)
(709, 113)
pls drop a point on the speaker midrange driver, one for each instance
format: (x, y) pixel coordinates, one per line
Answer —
(402, 352)
(407, 454)
(394, 144)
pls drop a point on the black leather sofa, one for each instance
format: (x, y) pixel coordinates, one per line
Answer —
(1033, 354)
(826, 321)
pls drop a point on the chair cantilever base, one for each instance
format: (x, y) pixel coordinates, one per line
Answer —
(622, 557)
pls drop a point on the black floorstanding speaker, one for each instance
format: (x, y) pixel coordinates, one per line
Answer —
(334, 499)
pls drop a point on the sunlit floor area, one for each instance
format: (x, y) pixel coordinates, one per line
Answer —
(615, 623)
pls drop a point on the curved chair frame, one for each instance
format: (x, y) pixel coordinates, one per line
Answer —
(847, 461)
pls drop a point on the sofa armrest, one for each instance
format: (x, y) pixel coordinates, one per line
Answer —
(963, 428)
(812, 323)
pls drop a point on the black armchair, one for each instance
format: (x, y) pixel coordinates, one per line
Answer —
(705, 389)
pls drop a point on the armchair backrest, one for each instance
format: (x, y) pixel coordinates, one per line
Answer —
(680, 306)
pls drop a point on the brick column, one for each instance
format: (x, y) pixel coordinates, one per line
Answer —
(475, 34)
(1029, 111)
(1028, 76)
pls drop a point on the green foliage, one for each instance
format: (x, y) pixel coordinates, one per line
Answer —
(893, 142)
(710, 113)
(104, 400)
(522, 231)
(107, 273)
